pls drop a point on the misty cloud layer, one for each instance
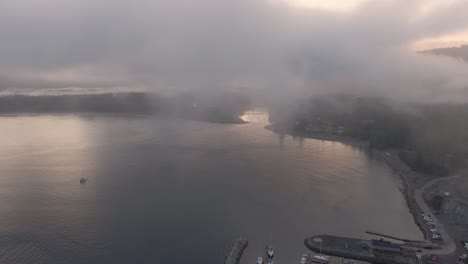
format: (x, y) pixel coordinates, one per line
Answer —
(255, 46)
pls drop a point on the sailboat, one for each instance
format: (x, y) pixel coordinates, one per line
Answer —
(83, 179)
(270, 254)
(304, 259)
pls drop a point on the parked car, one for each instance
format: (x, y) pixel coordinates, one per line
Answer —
(465, 244)
(463, 258)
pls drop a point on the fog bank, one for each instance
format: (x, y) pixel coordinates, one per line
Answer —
(268, 49)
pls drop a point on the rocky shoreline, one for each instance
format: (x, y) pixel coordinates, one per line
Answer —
(235, 253)
(408, 179)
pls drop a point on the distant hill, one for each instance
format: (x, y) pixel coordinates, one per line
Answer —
(455, 52)
(135, 103)
(219, 107)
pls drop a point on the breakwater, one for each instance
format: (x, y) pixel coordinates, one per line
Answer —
(235, 253)
(358, 249)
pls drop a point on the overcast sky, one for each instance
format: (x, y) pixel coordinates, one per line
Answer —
(270, 47)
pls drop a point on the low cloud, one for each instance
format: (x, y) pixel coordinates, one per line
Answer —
(260, 47)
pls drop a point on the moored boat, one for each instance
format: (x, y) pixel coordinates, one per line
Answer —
(83, 179)
(270, 254)
(321, 259)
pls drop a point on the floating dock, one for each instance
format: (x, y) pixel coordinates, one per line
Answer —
(357, 249)
(234, 255)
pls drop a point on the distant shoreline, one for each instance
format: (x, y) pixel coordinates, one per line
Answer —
(319, 136)
(238, 120)
(75, 113)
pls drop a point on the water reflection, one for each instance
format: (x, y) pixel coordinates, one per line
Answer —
(161, 187)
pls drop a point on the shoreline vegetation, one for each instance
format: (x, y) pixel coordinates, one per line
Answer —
(431, 137)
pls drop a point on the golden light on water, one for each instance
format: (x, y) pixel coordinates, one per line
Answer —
(36, 140)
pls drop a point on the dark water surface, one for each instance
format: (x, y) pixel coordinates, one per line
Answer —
(173, 191)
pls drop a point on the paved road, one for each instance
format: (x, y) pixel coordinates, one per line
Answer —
(448, 245)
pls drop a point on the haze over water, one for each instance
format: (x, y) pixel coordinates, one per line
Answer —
(175, 191)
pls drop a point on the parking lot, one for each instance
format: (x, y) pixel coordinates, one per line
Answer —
(432, 226)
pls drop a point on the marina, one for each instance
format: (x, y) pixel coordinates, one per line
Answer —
(375, 251)
(236, 251)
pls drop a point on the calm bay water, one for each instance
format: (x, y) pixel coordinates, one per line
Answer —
(174, 191)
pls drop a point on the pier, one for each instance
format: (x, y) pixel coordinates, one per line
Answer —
(375, 233)
(234, 255)
(358, 249)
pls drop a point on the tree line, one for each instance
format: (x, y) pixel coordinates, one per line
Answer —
(431, 137)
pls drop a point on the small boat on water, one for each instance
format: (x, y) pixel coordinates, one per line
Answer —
(260, 260)
(270, 254)
(83, 179)
(304, 259)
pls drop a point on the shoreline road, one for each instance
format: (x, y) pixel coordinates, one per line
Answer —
(448, 245)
